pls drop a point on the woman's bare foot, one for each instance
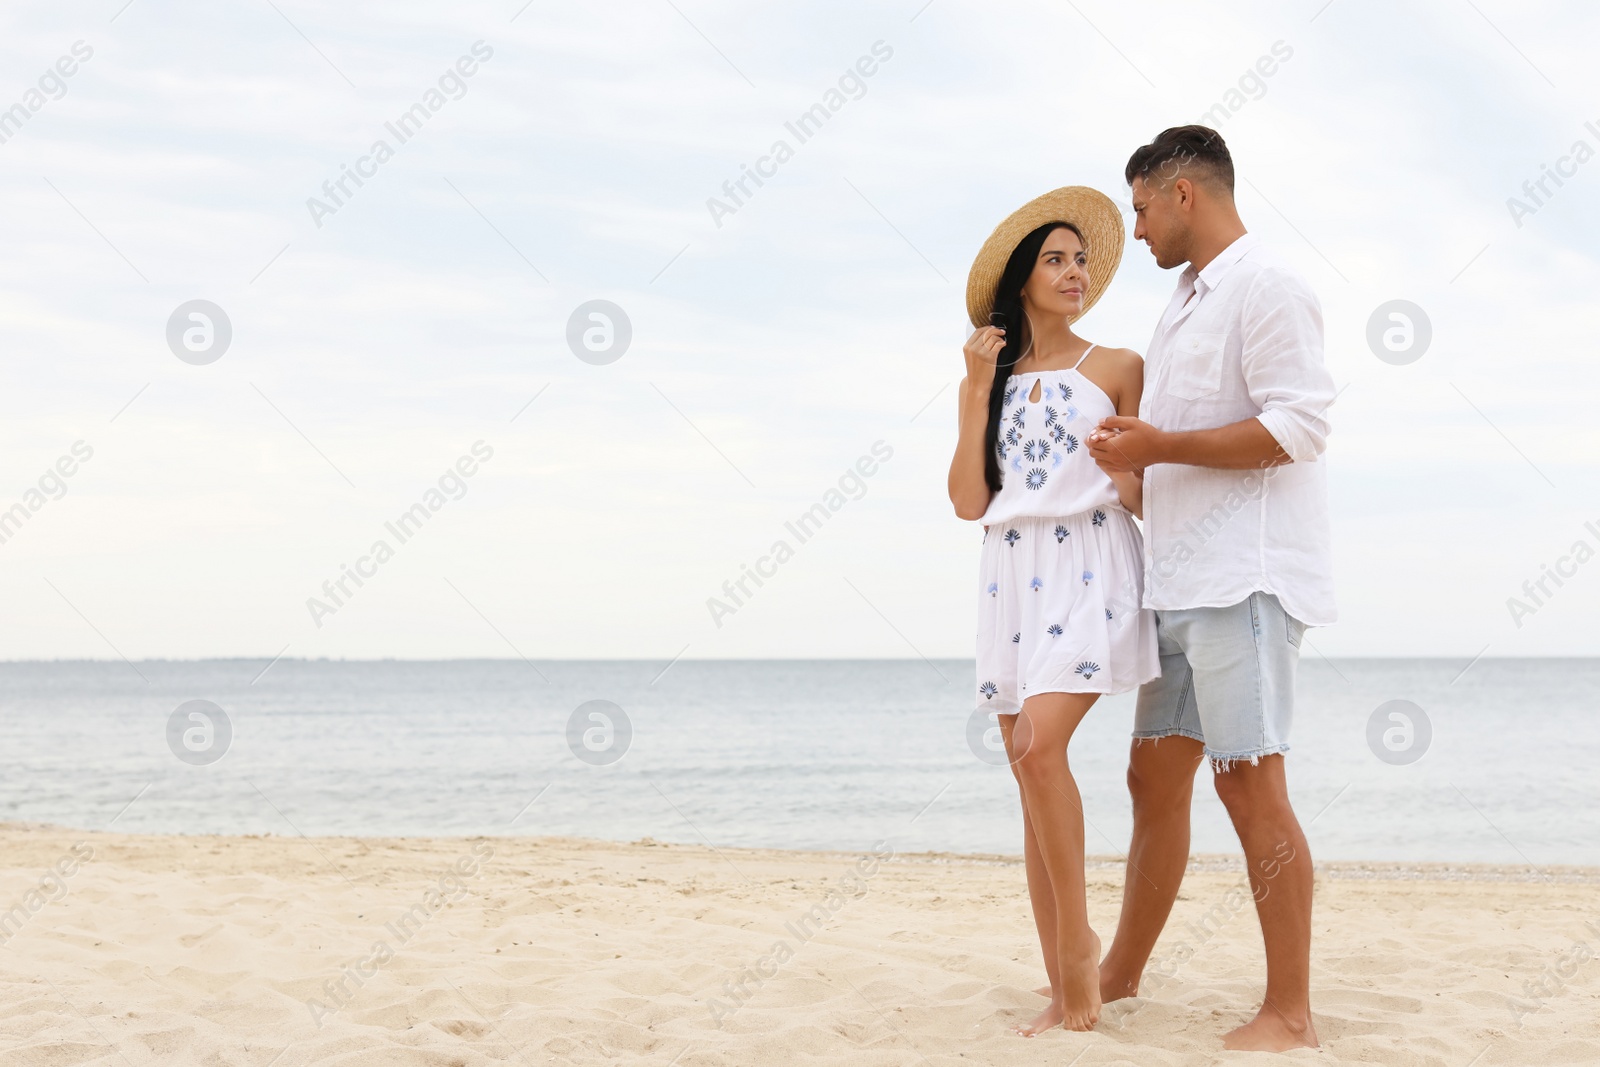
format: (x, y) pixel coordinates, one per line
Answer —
(1081, 989)
(1051, 1016)
(1269, 1031)
(1078, 1005)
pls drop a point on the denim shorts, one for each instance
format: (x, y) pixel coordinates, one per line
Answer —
(1227, 679)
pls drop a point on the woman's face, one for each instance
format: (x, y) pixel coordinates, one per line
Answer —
(1060, 278)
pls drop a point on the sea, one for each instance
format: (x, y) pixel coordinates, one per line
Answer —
(1393, 760)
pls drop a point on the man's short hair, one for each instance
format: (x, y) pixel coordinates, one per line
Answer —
(1195, 152)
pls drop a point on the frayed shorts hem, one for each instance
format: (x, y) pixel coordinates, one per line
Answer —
(1156, 735)
(1222, 762)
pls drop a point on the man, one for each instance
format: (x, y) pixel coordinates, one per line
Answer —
(1237, 563)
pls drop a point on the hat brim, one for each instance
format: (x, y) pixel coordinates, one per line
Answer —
(1090, 210)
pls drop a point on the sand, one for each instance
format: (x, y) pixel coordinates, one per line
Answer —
(218, 951)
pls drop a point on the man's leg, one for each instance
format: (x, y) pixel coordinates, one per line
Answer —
(1279, 864)
(1161, 782)
(1167, 747)
(1245, 664)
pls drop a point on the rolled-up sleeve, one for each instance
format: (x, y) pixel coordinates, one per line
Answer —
(1283, 365)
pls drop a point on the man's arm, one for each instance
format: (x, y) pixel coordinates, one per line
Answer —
(1284, 372)
(1126, 444)
(1242, 445)
(1283, 364)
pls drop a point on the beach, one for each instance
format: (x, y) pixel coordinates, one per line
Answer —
(257, 950)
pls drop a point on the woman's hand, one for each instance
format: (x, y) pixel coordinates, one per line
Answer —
(981, 351)
(969, 488)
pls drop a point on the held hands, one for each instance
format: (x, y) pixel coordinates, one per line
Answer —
(1121, 443)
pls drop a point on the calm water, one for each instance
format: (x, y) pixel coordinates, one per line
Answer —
(789, 754)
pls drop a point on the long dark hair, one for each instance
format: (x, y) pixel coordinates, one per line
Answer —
(1008, 304)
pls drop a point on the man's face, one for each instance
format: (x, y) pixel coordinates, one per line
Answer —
(1160, 221)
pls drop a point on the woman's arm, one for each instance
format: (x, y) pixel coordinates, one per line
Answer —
(969, 489)
(1130, 490)
(1129, 371)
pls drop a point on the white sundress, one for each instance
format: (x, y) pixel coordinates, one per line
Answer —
(1061, 576)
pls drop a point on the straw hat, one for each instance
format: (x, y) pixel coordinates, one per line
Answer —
(1088, 209)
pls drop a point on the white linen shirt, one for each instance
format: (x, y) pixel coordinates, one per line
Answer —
(1248, 345)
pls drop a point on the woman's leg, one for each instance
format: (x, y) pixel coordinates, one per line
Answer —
(1053, 806)
(1039, 892)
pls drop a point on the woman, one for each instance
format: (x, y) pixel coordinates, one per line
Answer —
(1061, 575)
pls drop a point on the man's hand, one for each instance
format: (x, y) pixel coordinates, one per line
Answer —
(1121, 443)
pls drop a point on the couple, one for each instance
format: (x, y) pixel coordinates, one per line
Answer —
(1216, 448)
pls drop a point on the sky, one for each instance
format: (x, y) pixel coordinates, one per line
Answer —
(387, 338)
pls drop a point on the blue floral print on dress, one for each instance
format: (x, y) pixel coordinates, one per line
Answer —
(1088, 576)
(988, 689)
(1037, 584)
(1050, 416)
(1012, 536)
(1069, 444)
(1016, 638)
(1016, 416)
(1062, 533)
(1054, 629)
(1036, 450)
(1036, 478)
(1066, 390)
(1099, 518)
(1087, 669)
(1009, 395)
(994, 588)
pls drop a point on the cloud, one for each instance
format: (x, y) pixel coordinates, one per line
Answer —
(820, 318)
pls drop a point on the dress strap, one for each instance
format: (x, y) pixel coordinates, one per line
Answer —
(1083, 357)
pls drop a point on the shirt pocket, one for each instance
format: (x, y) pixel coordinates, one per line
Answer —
(1196, 366)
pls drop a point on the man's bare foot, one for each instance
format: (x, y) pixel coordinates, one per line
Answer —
(1269, 1031)
(1078, 1005)
(1116, 984)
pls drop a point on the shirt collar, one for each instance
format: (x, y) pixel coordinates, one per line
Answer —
(1208, 279)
